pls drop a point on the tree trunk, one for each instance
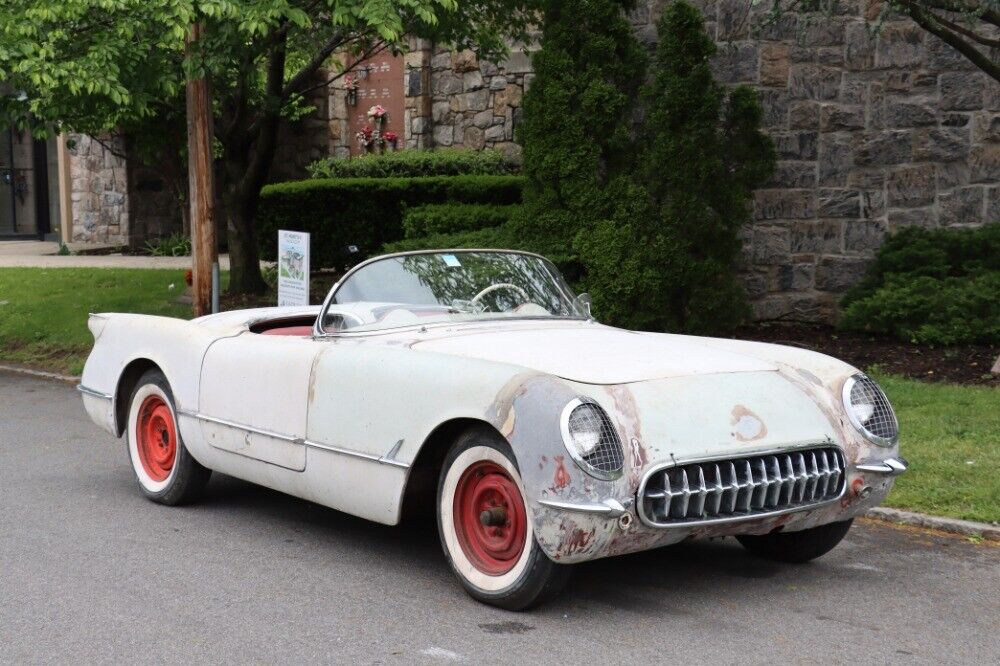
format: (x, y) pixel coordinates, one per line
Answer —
(241, 230)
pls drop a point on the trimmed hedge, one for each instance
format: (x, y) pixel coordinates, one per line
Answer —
(416, 163)
(365, 212)
(488, 238)
(450, 218)
(938, 286)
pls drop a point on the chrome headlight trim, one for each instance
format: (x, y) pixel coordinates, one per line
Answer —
(580, 459)
(849, 385)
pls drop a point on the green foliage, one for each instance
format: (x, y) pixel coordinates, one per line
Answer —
(120, 66)
(174, 245)
(647, 220)
(450, 218)
(487, 238)
(414, 163)
(575, 131)
(938, 287)
(702, 154)
(366, 212)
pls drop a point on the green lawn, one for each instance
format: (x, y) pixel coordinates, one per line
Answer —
(950, 434)
(951, 437)
(43, 312)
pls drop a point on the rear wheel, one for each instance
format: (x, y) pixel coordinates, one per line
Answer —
(165, 470)
(486, 528)
(796, 547)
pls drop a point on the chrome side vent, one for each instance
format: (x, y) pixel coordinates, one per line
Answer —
(735, 488)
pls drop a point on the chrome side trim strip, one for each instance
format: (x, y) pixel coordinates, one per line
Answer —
(890, 466)
(295, 440)
(91, 392)
(611, 508)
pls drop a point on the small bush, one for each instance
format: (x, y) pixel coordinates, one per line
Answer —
(450, 218)
(415, 163)
(939, 287)
(174, 245)
(365, 212)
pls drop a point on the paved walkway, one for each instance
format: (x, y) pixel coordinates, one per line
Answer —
(17, 254)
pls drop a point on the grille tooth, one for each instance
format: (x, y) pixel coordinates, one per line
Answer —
(743, 487)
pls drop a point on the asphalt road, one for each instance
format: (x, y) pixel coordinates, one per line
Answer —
(90, 572)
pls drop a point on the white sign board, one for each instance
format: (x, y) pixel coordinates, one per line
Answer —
(293, 268)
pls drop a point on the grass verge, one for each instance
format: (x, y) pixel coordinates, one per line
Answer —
(951, 437)
(43, 312)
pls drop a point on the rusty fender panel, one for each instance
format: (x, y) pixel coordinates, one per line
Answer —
(529, 415)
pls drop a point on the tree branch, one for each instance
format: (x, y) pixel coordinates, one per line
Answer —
(954, 27)
(930, 23)
(365, 55)
(961, 7)
(302, 76)
(265, 128)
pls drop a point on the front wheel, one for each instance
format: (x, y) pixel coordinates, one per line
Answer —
(165, 470)
(486, 528)
(796, 547)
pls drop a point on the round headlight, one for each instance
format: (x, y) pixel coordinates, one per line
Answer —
(592, 440)
(870, 411)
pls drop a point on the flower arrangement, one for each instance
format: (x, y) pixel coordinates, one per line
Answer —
(368, 137)
(390, 139)
(378, 113)
(351, 86)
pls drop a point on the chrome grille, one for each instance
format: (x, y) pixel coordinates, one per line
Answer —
(742, 487)
(866, 396)
(607, 456)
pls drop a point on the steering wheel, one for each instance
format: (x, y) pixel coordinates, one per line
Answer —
(500, 285)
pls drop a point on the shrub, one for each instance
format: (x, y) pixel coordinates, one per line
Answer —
(452, 217)
(938, 287)
(174, 245)
(415, 163)
(488, 238)
(365, 212)
(672, 264)
(577, 119)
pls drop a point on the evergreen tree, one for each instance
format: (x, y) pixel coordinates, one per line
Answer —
(703, 153)
(577, 116)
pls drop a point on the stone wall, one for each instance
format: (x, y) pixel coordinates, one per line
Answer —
(98, 190)
(873, 133)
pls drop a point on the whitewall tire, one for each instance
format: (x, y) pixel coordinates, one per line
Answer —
(165, 470)
(486, 529)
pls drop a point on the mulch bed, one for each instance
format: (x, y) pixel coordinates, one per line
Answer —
(963, 364)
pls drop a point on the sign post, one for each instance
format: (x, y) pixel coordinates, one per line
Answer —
(293, 268)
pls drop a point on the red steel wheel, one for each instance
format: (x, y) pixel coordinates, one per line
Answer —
(490, 518)
(156, 438)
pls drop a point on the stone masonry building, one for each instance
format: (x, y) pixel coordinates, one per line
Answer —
(874, 132)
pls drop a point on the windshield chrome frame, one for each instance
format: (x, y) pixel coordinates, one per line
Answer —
(318, 331)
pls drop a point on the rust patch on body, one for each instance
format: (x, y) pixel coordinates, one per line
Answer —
(748, 427)
(561, 479)
(577, 541)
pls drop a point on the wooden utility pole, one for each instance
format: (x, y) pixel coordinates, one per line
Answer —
(200, 184)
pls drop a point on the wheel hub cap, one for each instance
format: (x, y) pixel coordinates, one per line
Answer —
(156, 438)
(490, 519)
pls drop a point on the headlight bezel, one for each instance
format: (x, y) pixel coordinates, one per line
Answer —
(607, 427)
(857, 422)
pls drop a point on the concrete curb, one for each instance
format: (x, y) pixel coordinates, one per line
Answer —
(41, 374)
(967, 528)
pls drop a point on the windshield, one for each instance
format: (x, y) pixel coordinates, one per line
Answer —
(453, 286)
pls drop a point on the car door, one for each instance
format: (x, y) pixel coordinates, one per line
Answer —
(254, 396)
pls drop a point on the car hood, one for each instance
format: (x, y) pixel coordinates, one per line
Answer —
(595, 354)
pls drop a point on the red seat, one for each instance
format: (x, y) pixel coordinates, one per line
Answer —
(300, 331)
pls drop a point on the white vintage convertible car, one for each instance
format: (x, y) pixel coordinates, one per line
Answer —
(477, 383)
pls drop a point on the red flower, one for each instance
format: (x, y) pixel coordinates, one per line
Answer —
(390, 136)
